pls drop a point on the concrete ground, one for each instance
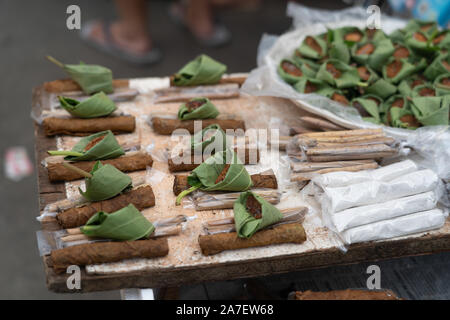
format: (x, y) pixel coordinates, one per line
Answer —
(33, 29)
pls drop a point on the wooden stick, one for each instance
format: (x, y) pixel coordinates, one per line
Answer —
(83, 127)
(308, 175)
(131, 161)
(344, 133)
(286, 233)
(237, 79)
(181, 94)
(315, 166)
(141, 197)
(167, 126)
(266, 179)
(312, 142)
(375, 155)
(187, 163)
(350, 150)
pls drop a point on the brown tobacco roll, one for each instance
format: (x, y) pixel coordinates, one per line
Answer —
(104, 252)
(188, 164)
(308, 175)
(167, 126)
(286, 233)
(132, 161)
(265, 179)
(84, 127)
(343, 133)
(141, 197)
(349, 294)
(70, 85)
(239, 80)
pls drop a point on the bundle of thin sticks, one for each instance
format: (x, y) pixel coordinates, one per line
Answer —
(166, 125)
(130, 161)
(220, 235)
(75, 248)
(349, 150)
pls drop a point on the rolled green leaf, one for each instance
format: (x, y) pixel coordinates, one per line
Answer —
(398, 36)
(202, 70)
(211, 135)
(367, 108)
(382, 51)
(395, 70)
(221, 172)
(442, 39)
(347, 35)
(126, 224)
(366, 74)
(91, 78)
(290, 71)
(431, 111)
(440, 65)
(244, 209)
(398, 100)
(197, 108)
(99, 146)
(311, 85)
(381, 88)
(424, 90)
(406, 86)
(302, 61)
(106, 182)
(420, 42)
(338, 74)
(428, 27)
(339, 51)
(98, 105)
(403, 118)
(313, 47)
(442, 84)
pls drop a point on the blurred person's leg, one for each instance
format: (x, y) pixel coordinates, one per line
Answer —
(128, 37)
(198, 17)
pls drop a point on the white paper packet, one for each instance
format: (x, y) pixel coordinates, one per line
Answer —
(397, 227)
(384, 174)
(370, 192)
(363, 215)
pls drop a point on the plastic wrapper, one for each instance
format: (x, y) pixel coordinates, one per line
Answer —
(177, 94)
(358, 216)
(397, 227)
(383, 174)
(370, 192)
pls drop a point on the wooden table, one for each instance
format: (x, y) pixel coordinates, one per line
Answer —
(433, 242)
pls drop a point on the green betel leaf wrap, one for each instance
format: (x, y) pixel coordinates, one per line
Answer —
(98, 105)
(374, 35)
(202, 70)
(308, 51)
(126, 224)
(287, 77)
(308, 63)
(396, 114)
(206, 111)
(406, 70)
(349, 76)
(384, 50)
(369, 106)
(398, 36)
(428, 27)
(442, 89)
(384, 108)
(99, 146)
(442, 39)
(91, 78)
(339, 51)
(424, 47)
(212, 135)
(311, 85)
(246, 224)
(339, 35)
(416, 92)
(406, 86)
(204, 177)
(439, 66)
(106, 182)
(431, 111)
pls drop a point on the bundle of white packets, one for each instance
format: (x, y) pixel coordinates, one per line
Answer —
(392, 201)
